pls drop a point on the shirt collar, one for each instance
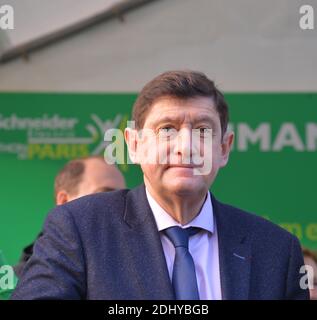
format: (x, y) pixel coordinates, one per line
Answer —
(204, 220)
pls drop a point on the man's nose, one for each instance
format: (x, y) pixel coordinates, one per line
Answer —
(183, 145)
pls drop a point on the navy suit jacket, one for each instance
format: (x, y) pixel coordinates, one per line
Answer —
(107, 246)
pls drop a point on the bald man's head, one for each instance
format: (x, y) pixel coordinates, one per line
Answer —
(85, 176)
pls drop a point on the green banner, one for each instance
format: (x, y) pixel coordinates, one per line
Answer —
(271, 172)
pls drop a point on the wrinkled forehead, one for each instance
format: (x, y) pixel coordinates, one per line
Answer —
(175, 110)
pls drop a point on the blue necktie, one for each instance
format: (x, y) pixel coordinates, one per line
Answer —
(184, 275)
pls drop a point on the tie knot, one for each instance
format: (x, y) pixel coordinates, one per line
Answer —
(179, 236)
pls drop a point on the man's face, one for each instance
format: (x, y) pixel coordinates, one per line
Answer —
(99, 177)
(170, 133)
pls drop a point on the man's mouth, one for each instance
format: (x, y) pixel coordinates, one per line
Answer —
(183, 166)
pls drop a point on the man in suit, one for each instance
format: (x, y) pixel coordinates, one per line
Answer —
(79, 177)
(169, 238)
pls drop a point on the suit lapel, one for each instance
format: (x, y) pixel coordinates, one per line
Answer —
(147, 260)
(234, 253)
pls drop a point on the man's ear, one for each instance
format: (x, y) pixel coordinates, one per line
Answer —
(131, 139)
(226, 147)
(61, 197)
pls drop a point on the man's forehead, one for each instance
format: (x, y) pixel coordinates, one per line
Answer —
(172, 109)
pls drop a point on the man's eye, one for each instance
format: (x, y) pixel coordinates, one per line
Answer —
(166, 131)
(204, 131)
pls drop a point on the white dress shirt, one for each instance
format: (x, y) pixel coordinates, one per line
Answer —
(203, 247)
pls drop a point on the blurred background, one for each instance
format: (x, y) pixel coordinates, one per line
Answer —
(70, 69)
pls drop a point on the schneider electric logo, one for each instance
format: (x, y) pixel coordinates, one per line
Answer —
(54, 136)
(6, 17)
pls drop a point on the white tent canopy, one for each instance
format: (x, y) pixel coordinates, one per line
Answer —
(38, 22)
(244, 45)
